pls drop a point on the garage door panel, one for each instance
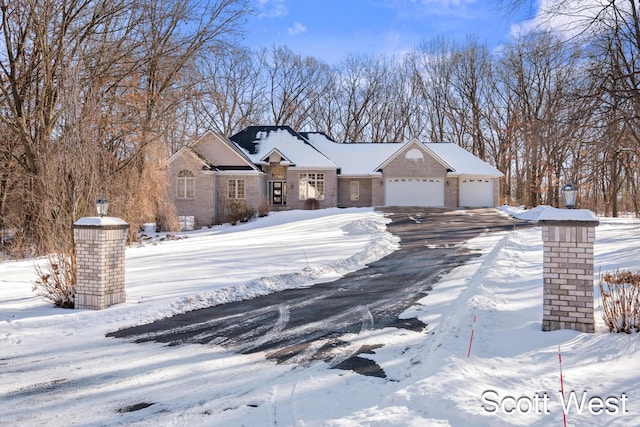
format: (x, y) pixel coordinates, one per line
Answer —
(476, 192)
(427, 192)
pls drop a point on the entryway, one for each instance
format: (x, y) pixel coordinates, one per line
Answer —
(278, 193)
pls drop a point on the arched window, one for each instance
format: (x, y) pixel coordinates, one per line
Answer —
(414, 154)
(185, 185)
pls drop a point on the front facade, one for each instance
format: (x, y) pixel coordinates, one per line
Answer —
(282, 169)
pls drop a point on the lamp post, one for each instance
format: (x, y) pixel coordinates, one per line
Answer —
(569, 196)
(101, 206)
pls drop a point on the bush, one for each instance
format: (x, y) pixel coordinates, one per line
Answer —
(264, 207)
(239, 211)
(57, 283)
(311, 204)
(620, 300)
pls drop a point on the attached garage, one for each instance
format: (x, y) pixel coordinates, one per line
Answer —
(476, 192)
(428, 192)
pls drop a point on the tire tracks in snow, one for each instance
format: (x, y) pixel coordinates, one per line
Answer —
(283, 395)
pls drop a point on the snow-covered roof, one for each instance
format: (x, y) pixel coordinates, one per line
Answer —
(355, 158)
(364, 158)
(260, 142)
(462, 161)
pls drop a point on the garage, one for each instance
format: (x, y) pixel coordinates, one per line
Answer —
(476, 192)
(414, 192)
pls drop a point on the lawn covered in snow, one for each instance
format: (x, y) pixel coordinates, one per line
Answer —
(58, 369)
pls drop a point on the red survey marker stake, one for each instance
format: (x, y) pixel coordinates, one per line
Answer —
(564, 413)
(471, 339)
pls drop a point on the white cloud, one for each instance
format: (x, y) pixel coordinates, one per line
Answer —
(569, 18)
(297, 28)
(272, 8)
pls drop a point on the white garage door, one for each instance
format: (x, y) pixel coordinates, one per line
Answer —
(414, 192)
(476, 192)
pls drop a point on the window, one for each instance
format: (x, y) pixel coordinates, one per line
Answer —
(355, 190)
(185, 185)
(186, 222)
(311, 186)
(236, 188)
(278, 171)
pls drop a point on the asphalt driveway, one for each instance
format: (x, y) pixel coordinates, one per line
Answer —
(306, 324)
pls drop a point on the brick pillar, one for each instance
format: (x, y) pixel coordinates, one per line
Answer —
(100, 245)
(568, 273)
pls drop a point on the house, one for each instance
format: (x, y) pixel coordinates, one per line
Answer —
(278, 166)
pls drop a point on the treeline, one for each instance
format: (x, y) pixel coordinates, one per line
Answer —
(97, 94)
(89, 95)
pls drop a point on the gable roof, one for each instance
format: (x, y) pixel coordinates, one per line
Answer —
(188, 151)
(462, 162)
(367, 158)
(316, 150)
(356, 158)
(419, 145)
(259, 142)
(244, 163)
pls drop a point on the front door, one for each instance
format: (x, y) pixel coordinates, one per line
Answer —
(278, 192)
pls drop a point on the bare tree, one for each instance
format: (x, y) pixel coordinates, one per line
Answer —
(433, 71)
(545, 120)
(610, 32)
(360, 87)
(231, 91)
(85, 88)
(293, 85)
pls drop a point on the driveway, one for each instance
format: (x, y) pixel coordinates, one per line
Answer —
(307, 324)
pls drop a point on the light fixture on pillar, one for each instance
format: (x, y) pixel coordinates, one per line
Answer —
(569, 196)
(101, 206)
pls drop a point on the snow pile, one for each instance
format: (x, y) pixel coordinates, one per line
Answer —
(549, 213)
(224, 264)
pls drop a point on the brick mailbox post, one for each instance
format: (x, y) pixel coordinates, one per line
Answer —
(100, 245)
(568, 237)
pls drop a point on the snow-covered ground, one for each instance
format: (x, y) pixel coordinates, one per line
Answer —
(58, 369)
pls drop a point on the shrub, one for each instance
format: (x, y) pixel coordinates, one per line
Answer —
(311, 204)
(239, 211)
(620, 300)
(264, 207)
(57, 282)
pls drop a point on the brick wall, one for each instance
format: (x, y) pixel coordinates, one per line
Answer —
(452, 193)
(400, 166)
(568, 275)
(344, 192)
(99, 265)
(254, 193)
(330, 188)
(201, 205)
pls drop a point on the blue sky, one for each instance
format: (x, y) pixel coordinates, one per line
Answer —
(331, 29)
